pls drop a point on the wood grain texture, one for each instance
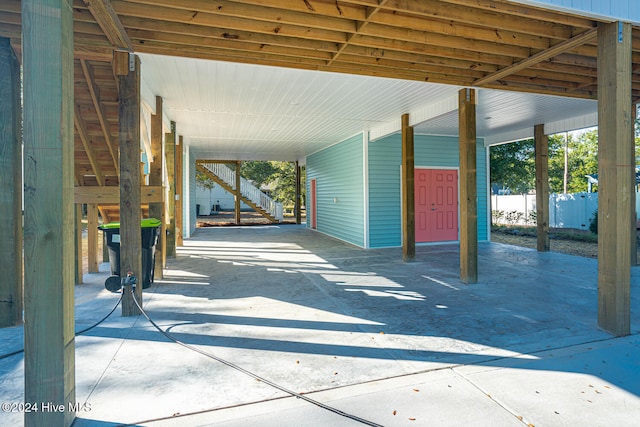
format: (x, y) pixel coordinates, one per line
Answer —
(542, 188)
(408, 193)
(10, 187)
(498, 43)
(179, 191)
(130, 213)
(468, 187)
(156, 173)
(616, 177)
(170, 155)
(49, 219)
(238, 194)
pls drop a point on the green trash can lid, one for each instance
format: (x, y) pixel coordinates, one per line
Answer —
(150, 222)
(145, 223)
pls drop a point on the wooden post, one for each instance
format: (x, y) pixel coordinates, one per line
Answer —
(10, 187)
(156, 173)
(49, 221)
(92, 237)
(408, 193)
(634, 214)
(615, 174)
(238, 192)
(78, 246)
(127, 68)
(170, 153)
(298, 206)
(105, 248)
(468, 188)
(542, 188)
(179, 192)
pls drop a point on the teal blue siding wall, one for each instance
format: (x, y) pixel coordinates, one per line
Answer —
(385, 157)
(338, 171)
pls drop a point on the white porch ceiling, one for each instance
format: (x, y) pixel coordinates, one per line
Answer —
(232, 111)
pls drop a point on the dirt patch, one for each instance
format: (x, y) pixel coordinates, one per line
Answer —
(228, 219)
(572, 242)
(565, 246)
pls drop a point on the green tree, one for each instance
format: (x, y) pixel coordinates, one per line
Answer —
(280, 177)
(512, 166)
(582, 160)
(203, 181)
(258, 172)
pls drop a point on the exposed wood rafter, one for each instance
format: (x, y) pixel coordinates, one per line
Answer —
(86, 143)
(104, 124)
(569, 44)
(108, 20)
(360, 26)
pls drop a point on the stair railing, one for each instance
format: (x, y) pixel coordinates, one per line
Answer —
(247, 189)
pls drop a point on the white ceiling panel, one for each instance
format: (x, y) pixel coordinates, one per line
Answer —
(231, 111)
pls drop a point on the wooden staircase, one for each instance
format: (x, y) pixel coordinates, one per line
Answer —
(272, 211)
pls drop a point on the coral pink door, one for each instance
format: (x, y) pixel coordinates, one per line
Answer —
(436, 204)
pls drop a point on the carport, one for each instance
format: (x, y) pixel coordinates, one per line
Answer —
(92, 46)
(359, 330)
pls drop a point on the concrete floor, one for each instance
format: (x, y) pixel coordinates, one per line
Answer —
(393, 343)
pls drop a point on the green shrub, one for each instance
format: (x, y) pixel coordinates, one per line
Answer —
(514, 217)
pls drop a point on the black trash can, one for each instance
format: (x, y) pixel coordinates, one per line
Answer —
(150, 229)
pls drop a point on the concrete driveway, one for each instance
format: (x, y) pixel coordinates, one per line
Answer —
(386, 342)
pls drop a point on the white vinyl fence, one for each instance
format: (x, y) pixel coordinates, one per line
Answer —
(565, 210)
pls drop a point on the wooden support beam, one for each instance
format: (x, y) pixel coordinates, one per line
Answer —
(156, 174)
(179, 191)
(79, 258)
(10, 187)
(298, 207)
(170, 154)
(408, 193)
(110, 195)
(49, 221)
(94, 91)
(105, 248)
(616, 177)
(237, 193)
(108, 20)
(92, 238)
(579, 40)
(542, 187)
(130, 213)
(632, 202)
(468, 187)
(86, 143)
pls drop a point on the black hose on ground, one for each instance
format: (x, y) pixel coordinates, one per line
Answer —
(252, 375)
(5, 356)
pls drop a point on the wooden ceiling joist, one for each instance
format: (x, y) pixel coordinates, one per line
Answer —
(360, 25)
(104, 124)
(84, 137)
(429, 39)
(578, 40)
(108, 20)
